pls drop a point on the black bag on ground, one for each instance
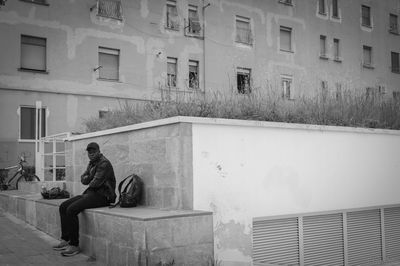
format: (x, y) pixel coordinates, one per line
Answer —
(131, 194)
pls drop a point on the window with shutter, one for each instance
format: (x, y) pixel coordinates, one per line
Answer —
(171, 71)
(33, 53)
(109, 63)
(285, 39)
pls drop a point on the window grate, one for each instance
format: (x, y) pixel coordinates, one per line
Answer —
(109, 9)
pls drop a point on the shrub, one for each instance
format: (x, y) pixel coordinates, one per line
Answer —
(350, 110)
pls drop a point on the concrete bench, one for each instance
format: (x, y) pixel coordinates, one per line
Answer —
(124, 236)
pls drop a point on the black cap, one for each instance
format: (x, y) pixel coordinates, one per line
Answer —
(93, 146)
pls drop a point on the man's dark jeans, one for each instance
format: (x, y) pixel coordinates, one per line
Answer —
(70, 209)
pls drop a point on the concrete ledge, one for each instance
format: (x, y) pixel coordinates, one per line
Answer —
(124, 236)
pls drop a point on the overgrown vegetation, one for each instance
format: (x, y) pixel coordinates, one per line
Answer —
(348, 109)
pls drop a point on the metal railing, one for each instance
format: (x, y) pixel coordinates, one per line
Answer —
(109, 9)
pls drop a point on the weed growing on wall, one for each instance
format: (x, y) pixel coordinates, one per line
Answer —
(347, 110)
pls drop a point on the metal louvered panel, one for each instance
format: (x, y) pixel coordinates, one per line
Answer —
(364, 237)
(323, 240)
(276, 241)
(392, 233)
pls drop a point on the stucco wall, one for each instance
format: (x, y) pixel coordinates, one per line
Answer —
(160, 155)
(243, 170)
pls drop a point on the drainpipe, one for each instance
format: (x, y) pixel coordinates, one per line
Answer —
(204, 46)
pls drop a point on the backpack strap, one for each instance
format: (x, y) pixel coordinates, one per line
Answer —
(119, 190)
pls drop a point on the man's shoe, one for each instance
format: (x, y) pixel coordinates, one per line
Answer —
(71, 251)
(61, 246)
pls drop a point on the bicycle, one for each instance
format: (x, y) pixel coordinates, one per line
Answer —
(21, 173)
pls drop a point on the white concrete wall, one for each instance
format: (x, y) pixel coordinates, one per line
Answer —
(243, 170)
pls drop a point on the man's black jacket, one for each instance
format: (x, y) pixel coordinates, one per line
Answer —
(99, 175)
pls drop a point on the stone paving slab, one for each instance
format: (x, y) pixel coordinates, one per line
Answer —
(22, 244)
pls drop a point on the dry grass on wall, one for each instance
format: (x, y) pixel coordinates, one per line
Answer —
(348, 110)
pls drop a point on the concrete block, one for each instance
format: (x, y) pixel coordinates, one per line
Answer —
(159, 234)
(172, 130)
(87, 224)
(165, 175)
(100, 249)
(171, 198)
(193, 230)
(86, 244)
(117, 255)
(202, 255)
(147, 151)
(30, 206)
(116, 152)
(21, 209)
(154, 197)
(41, 217)
(135, 257)
(12, 205)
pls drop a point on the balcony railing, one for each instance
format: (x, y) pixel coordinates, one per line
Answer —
(244, 36)
(109, 9)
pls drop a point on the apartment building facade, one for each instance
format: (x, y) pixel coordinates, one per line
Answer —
(62, 62)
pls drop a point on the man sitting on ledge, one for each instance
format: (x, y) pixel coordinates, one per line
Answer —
(99, 175)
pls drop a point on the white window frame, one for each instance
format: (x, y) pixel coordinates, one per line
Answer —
(168, 24)
(194, 63)
(322, 7)
(284, 80)
(109, 51)
(323, 53)
(337, 15)
(172, 60)
(366, 64)
(369, 16)
(336, 50)
(246, 20)
(19, 112)
(290, 30)
(24, 68)
(245, 72)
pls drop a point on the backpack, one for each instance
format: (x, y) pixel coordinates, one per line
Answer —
(131, 195)
(55, 193)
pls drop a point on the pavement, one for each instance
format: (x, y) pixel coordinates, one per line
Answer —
(22, 244)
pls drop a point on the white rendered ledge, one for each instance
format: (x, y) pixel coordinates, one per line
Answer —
(232, 122)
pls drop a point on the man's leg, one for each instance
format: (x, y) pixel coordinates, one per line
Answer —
(64, 219)
(90, 200)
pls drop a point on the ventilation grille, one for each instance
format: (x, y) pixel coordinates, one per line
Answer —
(364, 237)
(392, 233)
(276, 241)
(323, 240)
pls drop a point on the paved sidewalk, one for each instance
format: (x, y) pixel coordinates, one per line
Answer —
(22, 244)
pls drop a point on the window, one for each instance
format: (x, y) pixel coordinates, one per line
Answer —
(39, 2)
(396, 95)
(171, 71)
(336, 50)
(172, 16)
(393, 24)
(366, 16)
(28, 120)
(285, 39)
(322, 47)
(193, 26)
(324, 90)
(321, 7)
(108, 63)
(286, 85)
(33, 53)
(109, 9)
(193, 74)
(367, 56)
(335, 9)
(286, 2)
(395, 62)
(243, 30)
(338, 91)
(243, 77)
